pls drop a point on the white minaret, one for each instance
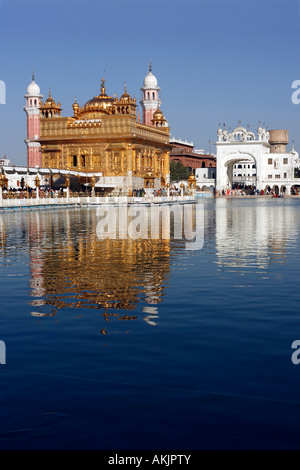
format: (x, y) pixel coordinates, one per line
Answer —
(32, 109)
(150, 101)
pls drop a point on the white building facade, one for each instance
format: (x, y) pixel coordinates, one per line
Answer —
(206, 177)
(258, 159)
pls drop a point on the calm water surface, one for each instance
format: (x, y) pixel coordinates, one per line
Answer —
(143, 344)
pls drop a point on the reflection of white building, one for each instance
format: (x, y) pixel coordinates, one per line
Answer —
(261, 160)
(251, 236)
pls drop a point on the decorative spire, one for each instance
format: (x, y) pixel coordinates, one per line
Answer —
(33, 75)
(150, 65)
(103, 86)
(50, 93)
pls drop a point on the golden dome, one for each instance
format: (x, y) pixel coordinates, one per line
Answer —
(76, 105)
(100, 102)
(125, 96)
(158, 115)
(50, 101)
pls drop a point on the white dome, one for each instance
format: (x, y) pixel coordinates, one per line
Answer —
(150, 81)
(33, 89)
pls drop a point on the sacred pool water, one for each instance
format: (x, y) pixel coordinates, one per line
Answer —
(147, 342)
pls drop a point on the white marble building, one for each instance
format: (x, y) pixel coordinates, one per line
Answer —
(205, 177)
(260, 159)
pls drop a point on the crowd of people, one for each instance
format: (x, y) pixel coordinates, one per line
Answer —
(252, 191)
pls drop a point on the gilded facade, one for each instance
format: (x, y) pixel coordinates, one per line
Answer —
(104, 138)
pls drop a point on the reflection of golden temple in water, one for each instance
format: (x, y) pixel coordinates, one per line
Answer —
(254, 233)
(72, 268)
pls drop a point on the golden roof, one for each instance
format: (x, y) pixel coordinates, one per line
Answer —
(158, 115)
(125, 96)
(100, 102)
(50, 102)
(75, 104)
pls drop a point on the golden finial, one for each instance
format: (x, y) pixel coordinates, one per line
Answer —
(103, 86)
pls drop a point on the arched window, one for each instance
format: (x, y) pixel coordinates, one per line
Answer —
(203, 164)
(153, 96)
(148, 95)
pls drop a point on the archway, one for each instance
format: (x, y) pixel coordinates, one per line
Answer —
(283, 189)
(295, 189)
(245, 148)
(225, 165)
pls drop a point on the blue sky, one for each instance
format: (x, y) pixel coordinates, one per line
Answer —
(215, 60)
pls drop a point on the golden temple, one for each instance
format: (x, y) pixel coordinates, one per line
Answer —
(104, 138)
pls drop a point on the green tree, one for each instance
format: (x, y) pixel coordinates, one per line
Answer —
(178, 171)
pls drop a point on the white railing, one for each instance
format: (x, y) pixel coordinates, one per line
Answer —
(19, 203)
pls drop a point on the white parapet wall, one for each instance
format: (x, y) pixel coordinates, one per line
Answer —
(94, 201)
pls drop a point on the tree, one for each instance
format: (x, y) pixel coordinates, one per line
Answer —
(178, 171)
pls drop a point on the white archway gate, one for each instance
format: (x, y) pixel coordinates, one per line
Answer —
(240, 146)
(225, 168)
